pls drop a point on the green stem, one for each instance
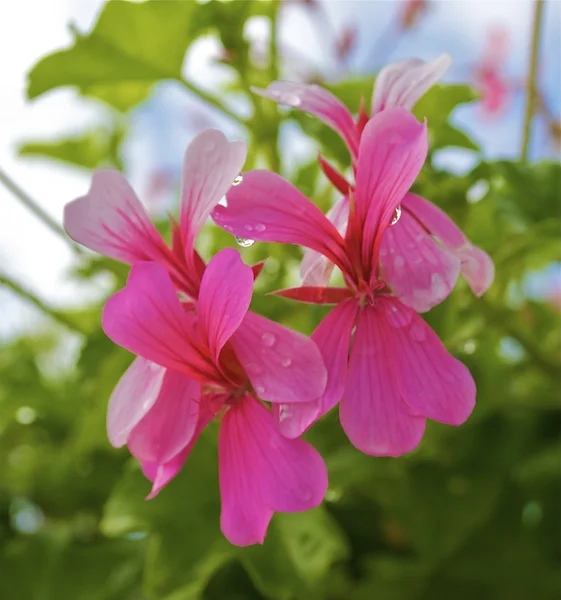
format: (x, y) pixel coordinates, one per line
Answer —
(26, 294)
(213, 101)
(29, 203)
(531, 91)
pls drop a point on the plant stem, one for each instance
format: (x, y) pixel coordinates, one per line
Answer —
(531, 91)
(209, 99)
(29, 203)
(26, 294)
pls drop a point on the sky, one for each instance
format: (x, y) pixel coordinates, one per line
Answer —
(34, 256)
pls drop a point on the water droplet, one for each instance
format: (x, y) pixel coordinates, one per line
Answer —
(248, 228)
(260, 227)
(286, 362)
(259, 389)
(285, 412)
(253, 368)
(396, 215)
(268, 339)
(238, 180)
(290, 99)
(243, 242)
(223, 202)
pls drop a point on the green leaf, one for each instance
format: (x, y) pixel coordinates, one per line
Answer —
(447, 135)
(439, 102)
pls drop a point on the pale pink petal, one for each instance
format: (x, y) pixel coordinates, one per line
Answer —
(420, 271)
(373, 414)
(392, 152)
(160, 474)
(171, 422)
(111, 220)
(316, 269)
(282, 365)
(333, 338)
(404, 82)
(147, 318)
(318, 102)
(476, 266)
(261, 472)
(132, 398)
(224, 297)
(210, 166)
(431, 381)
(267, 208)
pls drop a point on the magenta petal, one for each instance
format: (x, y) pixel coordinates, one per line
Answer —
(224, 297)
(147, 318)
(476, 266)
(111, 220)
(318, 102)
(267, 208)
(333, 338)
(420, 271)
(171, 422)
(316, 269)
(432, 382)
(282, 365)
(133, 396)
(261, 472)
(160, 474)
(392, 151)
(210, 166)
(373, 414)
(404, 82)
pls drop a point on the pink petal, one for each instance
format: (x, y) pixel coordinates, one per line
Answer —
(267, 208)
(171, 422)
(132, 398)
(432, 382)
(261, 472)
(160, 474)
(224, 297)
(420, 271)
(333, 338)
(111, 220)
(476, 266)
(318, 102)
(210, 166)
(316, 269)
(392, 152)
(282, 365)
(147, 319)
(373, 414)
(404, 82)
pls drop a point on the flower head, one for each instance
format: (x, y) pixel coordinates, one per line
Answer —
(385, 364)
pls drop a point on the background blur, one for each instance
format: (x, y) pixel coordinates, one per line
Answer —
(474, 512)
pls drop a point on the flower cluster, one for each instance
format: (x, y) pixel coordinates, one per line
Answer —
(203, 356)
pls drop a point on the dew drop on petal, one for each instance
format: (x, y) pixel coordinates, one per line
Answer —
(290, 99)
(268, 339)
(248, 228)
(286, 361)
(238, 180)
(396, 215)
(243, 242)
(260, 227)
(260, 389)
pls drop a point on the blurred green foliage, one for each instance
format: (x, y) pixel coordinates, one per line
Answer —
(474, 512)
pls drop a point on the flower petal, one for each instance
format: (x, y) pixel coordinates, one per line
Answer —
(267, 208)
(316, 269)
(318, 102)
(404, 82)
(210, 166)
(432, 382)
(392, 151)
(420, 271)
(171, 422)
(111, 220)
(147, 319)
(282, 365)
(476, 266)
(224, 297)
(261, 472)
(373, 414)
(333, 338)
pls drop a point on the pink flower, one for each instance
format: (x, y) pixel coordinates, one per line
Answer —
(203, 356)
(422, 278)
(385, 364)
